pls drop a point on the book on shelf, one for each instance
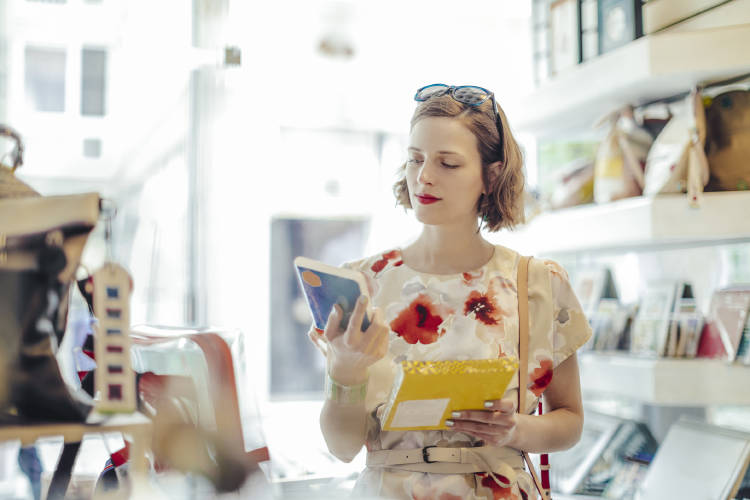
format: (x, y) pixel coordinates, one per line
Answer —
(743, 351)
(732, 13)
(684, 326)
(657, 330)
(710, 344)
(609, 323)
(728, 316)
(593, 284)
(661, 14)
(597, 294)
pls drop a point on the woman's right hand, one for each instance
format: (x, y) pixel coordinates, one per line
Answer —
(352, 351)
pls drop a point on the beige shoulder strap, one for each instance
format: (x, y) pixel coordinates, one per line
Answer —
(523, 355)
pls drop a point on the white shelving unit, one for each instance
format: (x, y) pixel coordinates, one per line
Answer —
(665, 382)
(636, 223)
(652, 67)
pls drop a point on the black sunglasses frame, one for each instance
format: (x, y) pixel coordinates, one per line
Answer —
(451, 90)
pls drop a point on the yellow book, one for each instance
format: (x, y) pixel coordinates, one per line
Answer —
(426, 392)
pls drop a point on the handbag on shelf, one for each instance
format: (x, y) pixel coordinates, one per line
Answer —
(41, 243)
(676, 162)
(728, 140)
(621, 158)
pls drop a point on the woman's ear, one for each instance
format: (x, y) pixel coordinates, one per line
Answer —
(491, 175)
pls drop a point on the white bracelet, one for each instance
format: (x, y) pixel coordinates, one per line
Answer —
(344, 394)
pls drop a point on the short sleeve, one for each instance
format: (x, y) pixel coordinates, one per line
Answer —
(570, 328)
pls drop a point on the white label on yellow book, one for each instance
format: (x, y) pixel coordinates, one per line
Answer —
(419, 412)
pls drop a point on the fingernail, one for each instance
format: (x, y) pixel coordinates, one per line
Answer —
(363, 299)
(456, 414)
(489, 404)
(449, 423)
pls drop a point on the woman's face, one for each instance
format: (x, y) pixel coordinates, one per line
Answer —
(443, 172)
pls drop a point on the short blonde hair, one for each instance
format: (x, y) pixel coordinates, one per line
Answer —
(502, 206)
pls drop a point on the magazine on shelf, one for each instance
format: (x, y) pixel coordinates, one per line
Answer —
(743, 351)
(593, 284)
(651, 323)
(656, 329)
(684, 326)
(728, 313)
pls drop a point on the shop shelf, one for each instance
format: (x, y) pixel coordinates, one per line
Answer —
(634, 224)
(665, 381)
(653, 67)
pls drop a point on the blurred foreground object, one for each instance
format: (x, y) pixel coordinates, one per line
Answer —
(41, 242)
(188, 385)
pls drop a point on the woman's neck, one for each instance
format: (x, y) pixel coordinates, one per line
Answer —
(448, 249)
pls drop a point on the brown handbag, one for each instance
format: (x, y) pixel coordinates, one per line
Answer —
(523, 354)
(728, 141)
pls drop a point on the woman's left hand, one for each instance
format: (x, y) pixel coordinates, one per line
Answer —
(495, 426)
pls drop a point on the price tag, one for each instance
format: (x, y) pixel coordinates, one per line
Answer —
(114, 379)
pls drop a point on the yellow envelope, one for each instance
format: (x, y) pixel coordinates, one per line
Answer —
(426, 392)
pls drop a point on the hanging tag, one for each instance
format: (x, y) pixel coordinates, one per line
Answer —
(114, 379)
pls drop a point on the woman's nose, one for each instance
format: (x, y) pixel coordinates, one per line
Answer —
(425, 173)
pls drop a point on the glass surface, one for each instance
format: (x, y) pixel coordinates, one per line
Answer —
(44, 78)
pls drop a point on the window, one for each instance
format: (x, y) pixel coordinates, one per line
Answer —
(92, 148)
(93, 80)
(44, 79)
(297, 368)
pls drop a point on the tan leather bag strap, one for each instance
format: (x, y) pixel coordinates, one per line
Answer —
(523, 354)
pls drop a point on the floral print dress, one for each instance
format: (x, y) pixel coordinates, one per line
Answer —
(471, 315)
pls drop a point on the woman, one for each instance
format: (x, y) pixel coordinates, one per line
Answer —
(452, 295)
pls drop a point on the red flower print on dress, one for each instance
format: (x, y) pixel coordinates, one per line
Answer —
(380, 264)
(498, 492)
(419, 322)
(484, 307)
(541, 377)
(471, 276)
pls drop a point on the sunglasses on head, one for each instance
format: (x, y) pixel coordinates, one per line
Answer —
(471, 95)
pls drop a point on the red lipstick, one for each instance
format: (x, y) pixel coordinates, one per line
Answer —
(426, 199)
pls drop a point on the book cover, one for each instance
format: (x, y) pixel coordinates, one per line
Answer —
(728, 312)
(743, 351)
(325, 285)
(651, 326)
(710, 344)
(426, 392)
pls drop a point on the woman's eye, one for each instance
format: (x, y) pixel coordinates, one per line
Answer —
(414, 161)
(448, 165)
